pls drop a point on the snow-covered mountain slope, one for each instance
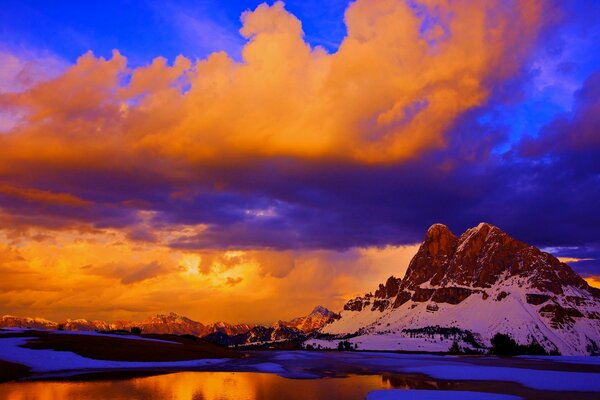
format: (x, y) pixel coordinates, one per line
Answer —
(469, 288)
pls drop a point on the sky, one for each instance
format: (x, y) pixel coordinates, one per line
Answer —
(247, 161)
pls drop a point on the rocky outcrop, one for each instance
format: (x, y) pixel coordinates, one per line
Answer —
(537, 299)
(422, 295)
(402, 298)
(451, 295)
(502, 295)
(560, 316)
(390, 289)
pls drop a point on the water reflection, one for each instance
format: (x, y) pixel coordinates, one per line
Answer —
(200, 386)
(420, 382)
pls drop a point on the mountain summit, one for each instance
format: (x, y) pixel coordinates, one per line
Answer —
(469, 288)
(318, 317)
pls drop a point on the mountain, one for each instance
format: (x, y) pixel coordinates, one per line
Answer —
(161, 323)
(469, 288)
(296, 330)
(85, 325)
(10, 321)
(172, 323)
(219, 332)
(230, 329)
(319, 317)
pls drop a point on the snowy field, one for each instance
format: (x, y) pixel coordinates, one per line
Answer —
(53, 361)
(395, 394)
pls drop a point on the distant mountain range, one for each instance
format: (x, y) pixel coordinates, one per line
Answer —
(467, 289)
(220, 332)
(296, 330)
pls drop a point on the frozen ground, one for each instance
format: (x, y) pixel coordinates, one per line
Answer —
(566, 359)
(535, 379)
(6, 331)
(461, 368)
(395, 394)
(52, 361)
(563, 374)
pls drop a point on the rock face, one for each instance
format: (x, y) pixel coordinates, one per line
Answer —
(482, 282)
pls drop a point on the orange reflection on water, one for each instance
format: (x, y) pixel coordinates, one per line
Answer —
(199, 386)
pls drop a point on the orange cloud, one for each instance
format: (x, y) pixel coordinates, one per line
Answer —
(573, 259)
(593, 281)
(389, 92)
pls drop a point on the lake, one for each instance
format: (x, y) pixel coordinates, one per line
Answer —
(200, 385)
(328, 375)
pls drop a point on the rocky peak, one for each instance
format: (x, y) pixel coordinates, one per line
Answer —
(319, 317)
(439, 233)
(479, 257)
(320, 310)
(485, 254)
(482, 253)
(432, 257)
(168, 318)
(449, 269)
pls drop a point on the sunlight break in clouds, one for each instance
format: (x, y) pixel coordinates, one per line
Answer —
(103, 275)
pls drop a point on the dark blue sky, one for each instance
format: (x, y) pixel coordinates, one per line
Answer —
(143, 30)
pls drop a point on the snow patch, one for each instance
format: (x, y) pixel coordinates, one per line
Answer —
(395, 394)
(50, 360)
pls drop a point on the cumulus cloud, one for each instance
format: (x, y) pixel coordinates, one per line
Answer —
(388, 93)
(21, 69)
